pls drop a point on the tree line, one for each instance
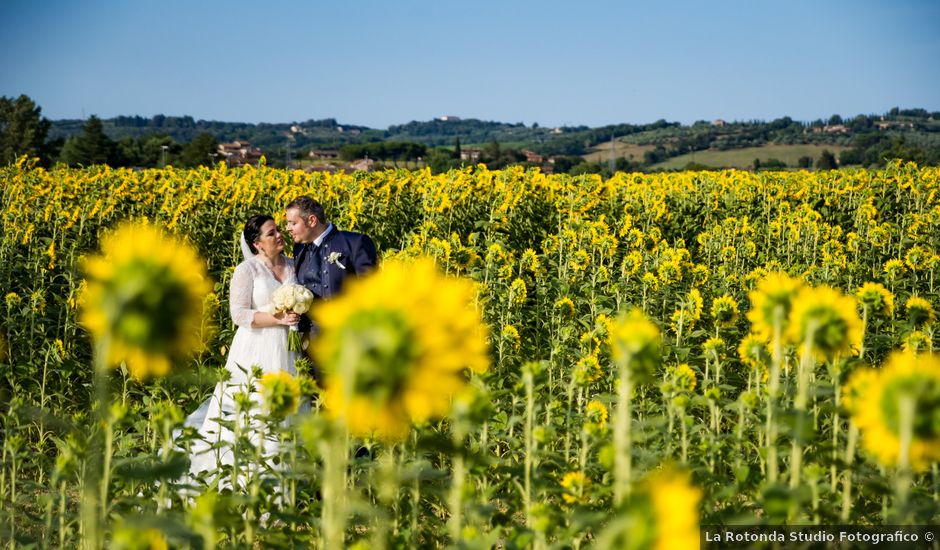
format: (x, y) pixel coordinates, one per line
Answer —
(24, 131)
(870, 140)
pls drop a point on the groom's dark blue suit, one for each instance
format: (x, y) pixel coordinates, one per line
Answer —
(352, 254)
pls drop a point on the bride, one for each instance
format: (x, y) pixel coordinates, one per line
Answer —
(260, 341)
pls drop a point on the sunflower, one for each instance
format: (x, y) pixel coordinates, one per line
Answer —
(917, 342)
(876, 298)
(684, 377)
(826, 317)
(919, 311)
(280, 393)
(574, 485)
(587, 370)
(916, 258)
(565, 306)
(878, 236)
(675, 504)
(517, 291)
(530, 261)
(696, 303)
(753, 353)
(700, 274)
(145, 298)
(907, 380)
(724, 311)
(649, 280)
(395, 346)
(681, 318)
(597, 413)
(893, 269)
(855, 389)
(127, 537)
(634, 342)
(771, 302)
(714, 348)
(580, 260)
(669, 272)
(511, 334)
(631, 263)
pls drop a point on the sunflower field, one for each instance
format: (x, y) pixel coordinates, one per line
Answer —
(539, 360)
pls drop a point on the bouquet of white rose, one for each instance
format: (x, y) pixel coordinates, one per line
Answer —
(295, 298)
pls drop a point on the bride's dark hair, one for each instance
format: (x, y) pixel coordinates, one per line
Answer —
(253, 229)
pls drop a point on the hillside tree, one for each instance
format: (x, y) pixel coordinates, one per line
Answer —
(93, 146)
(826, 161)
(199, 151)
(22, 128)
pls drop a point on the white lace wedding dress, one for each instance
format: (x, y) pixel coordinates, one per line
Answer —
(252, 286)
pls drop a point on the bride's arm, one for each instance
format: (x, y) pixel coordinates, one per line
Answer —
(240, 304)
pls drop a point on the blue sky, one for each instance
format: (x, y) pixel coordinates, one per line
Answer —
(377, 63)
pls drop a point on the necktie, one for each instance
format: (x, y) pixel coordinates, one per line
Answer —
(303, 254)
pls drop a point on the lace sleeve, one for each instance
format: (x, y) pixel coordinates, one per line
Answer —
(240, 296)
(291, 277)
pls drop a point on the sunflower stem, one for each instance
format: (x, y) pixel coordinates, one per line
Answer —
(415, 491)
(455, 501)
(934, 474)
(773, 387)
(335, 457)
(861, 348)
(388, 485)
(91, 509)
(802, 396)
(529, 444)
(906, 406)
(622, 436)
(836, 428)
(685, 435)
(847, 473)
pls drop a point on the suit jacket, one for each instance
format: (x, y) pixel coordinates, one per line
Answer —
(354, 254)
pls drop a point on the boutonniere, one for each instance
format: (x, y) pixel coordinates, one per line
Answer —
(334, 258)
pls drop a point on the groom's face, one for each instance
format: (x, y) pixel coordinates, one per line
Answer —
(302, 229)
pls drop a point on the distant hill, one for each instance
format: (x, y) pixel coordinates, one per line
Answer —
(312, 133)
(790, 155)
(659, 144)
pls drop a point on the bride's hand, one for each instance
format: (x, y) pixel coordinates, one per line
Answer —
(291, 319)
(288, 319)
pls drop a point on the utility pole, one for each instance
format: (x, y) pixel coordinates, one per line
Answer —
(290, 138)
(612, 163)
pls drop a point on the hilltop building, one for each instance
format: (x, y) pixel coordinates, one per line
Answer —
(240, 153)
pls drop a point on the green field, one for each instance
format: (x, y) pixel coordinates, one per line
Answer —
(631, 151)
(744, 158)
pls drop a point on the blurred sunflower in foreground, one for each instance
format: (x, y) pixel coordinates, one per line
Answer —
(395, 345)
(144, 299)
(634, 343)
(280, 393)
(901, 411)
(136, 538)
(664, 515)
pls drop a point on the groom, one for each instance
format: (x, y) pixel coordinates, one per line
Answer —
(323, 255)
